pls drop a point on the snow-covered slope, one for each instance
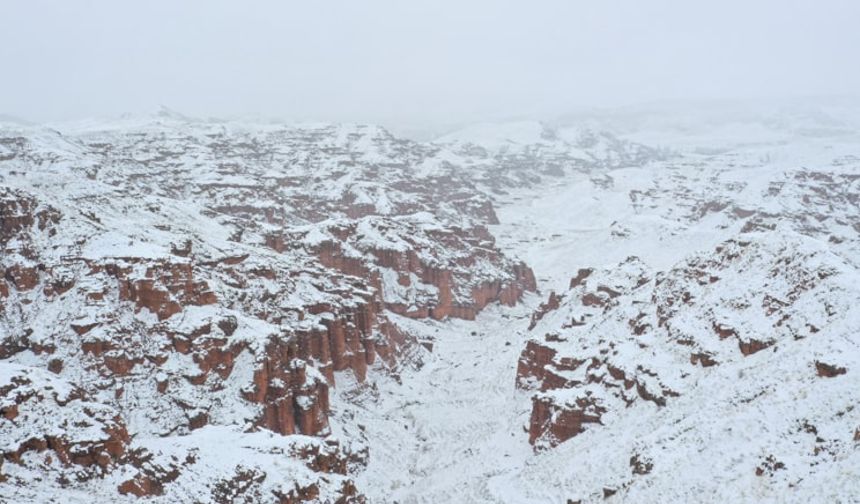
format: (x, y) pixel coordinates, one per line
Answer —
(721, 419)
(733, 364)
(238, 312)
(186, 276)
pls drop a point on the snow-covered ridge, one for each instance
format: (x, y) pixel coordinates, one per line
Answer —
(756, 334)
(200, 276)
(245, 302)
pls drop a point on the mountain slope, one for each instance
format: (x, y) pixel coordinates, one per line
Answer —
(224, 311)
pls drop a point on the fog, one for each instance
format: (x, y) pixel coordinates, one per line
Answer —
(404, 62)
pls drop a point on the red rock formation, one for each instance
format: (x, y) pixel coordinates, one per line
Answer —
(38, 412)
(752, 346)
(141, 486)
(119, 363)
(165, 288)
(21, 277)
(723, 331)
(331, 255)
(551, 304)
(825, 370)
(702, 358)
(81, 329)
(541, 367)
(55, 366)
(580, 277)
(151, 478)
(457, 264)
(553, 424)
(19, 212)
(532, 364)
(97, 348)
(292, 400)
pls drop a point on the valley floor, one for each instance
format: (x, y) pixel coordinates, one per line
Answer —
(453, 427)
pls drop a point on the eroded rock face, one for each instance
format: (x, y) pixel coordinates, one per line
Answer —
(252, 474)
(164, 289)
(625, 336)
(554, 423)
(20, 213)
(825, 370)
(551, 304)
(24, 224)
(40, 412)
(409, 268)
(233, 295)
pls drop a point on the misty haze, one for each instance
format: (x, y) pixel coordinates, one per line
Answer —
(429, 252)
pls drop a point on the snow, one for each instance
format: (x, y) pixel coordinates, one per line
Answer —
(495, 136)
(450, 425)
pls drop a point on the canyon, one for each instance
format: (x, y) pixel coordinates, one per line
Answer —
(647, 309)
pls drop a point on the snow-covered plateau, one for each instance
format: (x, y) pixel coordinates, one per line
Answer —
(656, 306)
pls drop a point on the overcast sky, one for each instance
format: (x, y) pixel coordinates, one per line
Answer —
(414, 61)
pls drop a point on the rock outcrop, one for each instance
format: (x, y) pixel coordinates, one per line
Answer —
(41, 412)
(187, 278)
(625, 336)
